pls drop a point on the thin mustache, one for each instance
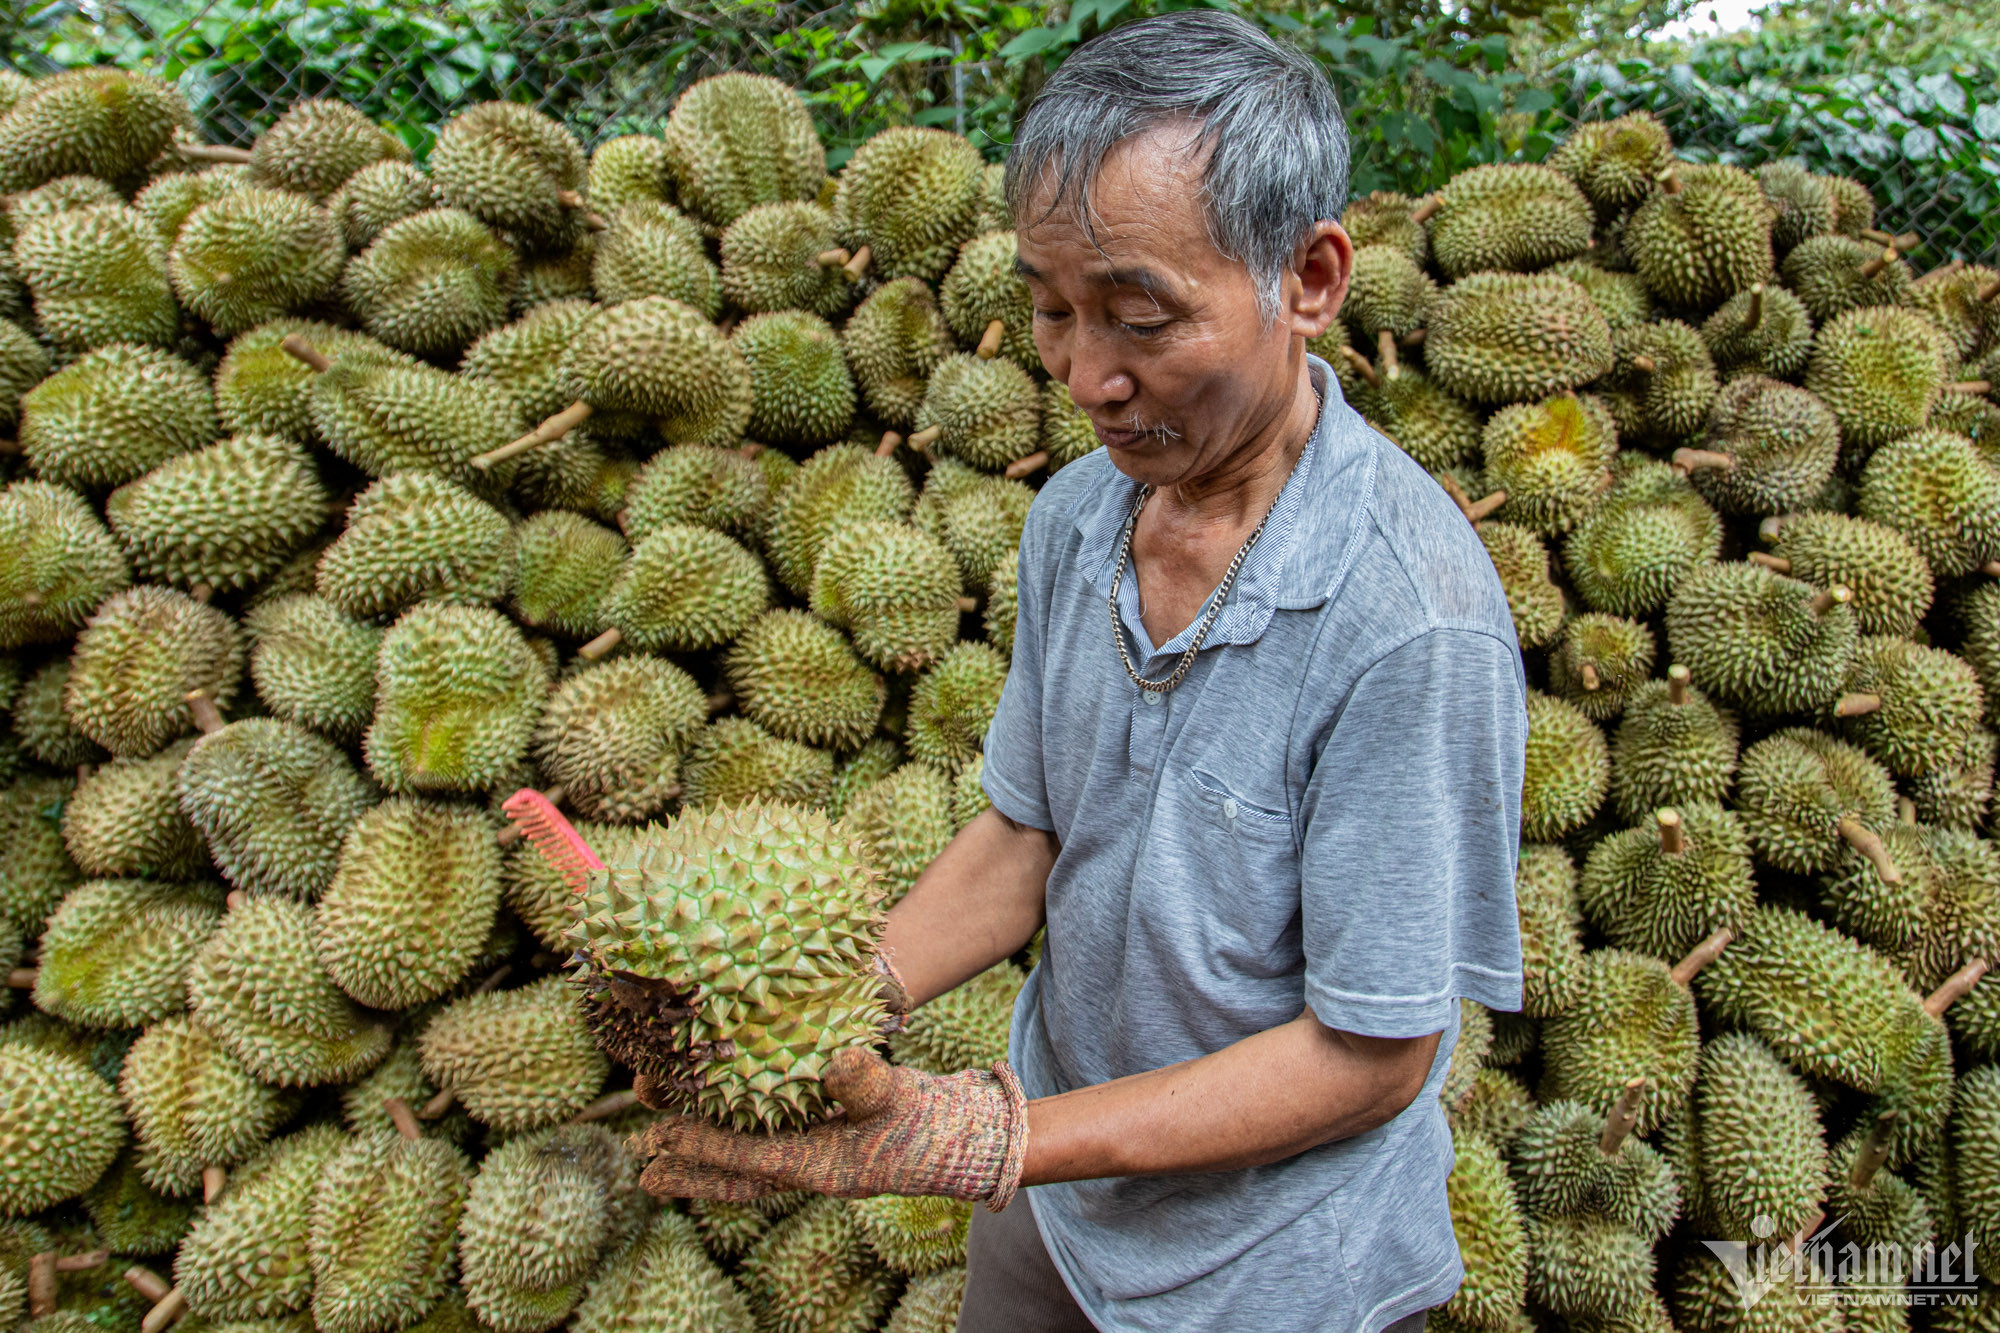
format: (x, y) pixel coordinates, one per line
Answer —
(1158, 430)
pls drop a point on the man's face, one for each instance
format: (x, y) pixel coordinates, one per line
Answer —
(1155, 331)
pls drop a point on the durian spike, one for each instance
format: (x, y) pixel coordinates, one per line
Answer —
(1826, 599)
(1989, 291)
(298, 348)
(554, 837)
(610, 1104)
(22, 978)
(1362, 367)
(1624, 1114)
(437, 1105)
(857, 267)
(1777, 564)
(557, 426)
(1678, 679)
(925, 438)
(1385, 349)
(1858, 704)
(1954, 987)
(1673, 832)
(213, 1181)
(213, 152)
(718, 702)
(1591, 682)
(833, 258)
(989, 341)
(1701, 956)
(1755, 314)
(1874, 1154)
(1696, 460)
(1878, 263)
(206, 715)
(599, 646)
(1977, 388)
(403, 1118)
(510, 835)
(1797, 1240)
(1906, 811)
(1426, 209)
(1869, 843)
(1644, 364)
(967, 605)
(571, 199)
(887, 448)
(1023, 467)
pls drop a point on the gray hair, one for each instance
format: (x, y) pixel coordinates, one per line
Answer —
(1275, 136)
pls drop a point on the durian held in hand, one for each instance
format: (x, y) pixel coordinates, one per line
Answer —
(729, 957)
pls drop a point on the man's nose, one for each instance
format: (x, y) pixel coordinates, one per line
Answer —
(1097, 375)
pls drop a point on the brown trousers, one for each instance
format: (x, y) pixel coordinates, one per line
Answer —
(1012, 1286)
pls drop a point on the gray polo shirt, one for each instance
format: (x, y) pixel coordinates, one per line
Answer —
(1323, 813)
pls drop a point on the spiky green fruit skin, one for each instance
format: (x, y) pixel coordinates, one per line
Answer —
(914, 1236)
(872, 762)
(1699, 247)
(106, 123)
(116, 952)
(664, 1283)
(1706, 1299)
(1671, 401)
(98, 276)
(411, 536)
(1568, 769)
(659, 358)
(167, 202)
(136, 660)
(563, 566)
(60, 1126)
(375, 197)
(1382, 217)
(1003, 604)
(1886, 1211)
(1630, 1017)
(432, 283)
(1955, 794)
(1803, 203)
(930, 1304)
(653, 249)
(193, 1105)
(113, 415)
(262, 390)
(540, 896)
(314, 665)
(983, 286)
(576, 472)
(686, 587)
(1825, 273)
(505, 163)
(1936, 489)
(799, 678)
(1588, 1266)
(729, 1230)
(23, 365)
(384, 1223)
(800, 390)
(813, 1273)
(564, 276)
(978, 517)
(910, 195)
(613, 735)
(1785, 442)
(840, 484)
(246, 1257)
(317, 145)
(990, 411)
(953, 704)
(1512, 217)
(1619, 653)
(1551, 946)
(254, 255)
(1795, 787)
(1510, 338)
(124, 819)
(542, 1212)
(1647, 533)
(1475, 1043)
(1388, 291)
(738, 140)
(964, 1028)
(1777, 345)
(1616, 162)
(1067, 434)
(1492, 1239)
(1751, 639)
(1497, 1106)
(458, 694)
(735, 760)
(1931, 702)
(131, 1217)
(900, 824)
(1880, 369)
(1550, 458)
(524, 358)
(1562, 1172)
(1620, 297)
(698, 484)
(627, 168)
(1756, 1140)
(57, 563)
(1522, 562)
(1668, 754)
(229, 515)
(516, 1060)
(43, 728)
(384, 413)
(1975, 1130)
(770, 261)
(1436, 428)
(894, 340)
(1646, 900)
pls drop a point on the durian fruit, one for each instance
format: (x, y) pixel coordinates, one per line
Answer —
(1775, 447)
(431, 283)
(910, 196)
(1383, 217)
(737, 140)
(317, 145)
(985, 412)
(699, 484)
(1881, 369)
(729, 1230)
(23, 365)
(781, 256)
(893, 341)
(914, 1236)
(983, 290)
(57, 563)
(167, 202)
(1436, 428)
(653, 249)
(1647, 533)
(1633, 1018)
(1941, 912)
(1600, 662)
(413, 535)
(561, 276)
(514, 169)
(1492, 1239)
(1509, 338)
(125, 819)
(1551, 459)
(929, 1304)
(313, 664)
(1703, 238)
(1939, 492)
(801, 393)
(377, 196)
(1753, 1140)
(1388, 293)
(253, 255)
(900, 824)
(1588, 1266)
(131, 1217)
(1834, 274)
(563, 566)
(664, 1283)
(1889, 578)
(1498, 1104)
(1003, 604)
(1522, 562)
(262, 390)
(1673, 748)
(1803, 204)
(1551, 947)
(92, 121)
(524, 358)
(1568, 769)
(247, 1255)
(1956, 794)
(1706, 1298)
(226, 516)
(383, 1231)
(1801, 794)
(1911, 707)
(578, 472)
(43, 728)
(814, 1273)
(193, 1106)
(1663, 889)
(1572, 1162)
(1762, 330)
(629, 167)
(1951, 296)
(1975, 1121)
(978, 517)
(683, 587)
(799, 679)
(1616, 162)
(410, 904)
(135, 662)
(613, 734)
(964, 1028)
(1469, 1053)
(60, 1127)
(1513, 217)
(458, 694)
(116, 952)
(1663, 382)
(516, 1060)
(113, 415)
(952, 705)
(840, 484)
(98, 276)
(735, 761)
(1620, 297)
(872, 762)
(543, 1212)
(1760, 641)
(384, 413)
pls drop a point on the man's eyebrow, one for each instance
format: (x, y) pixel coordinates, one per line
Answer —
(1145, 279)
(1025, 269)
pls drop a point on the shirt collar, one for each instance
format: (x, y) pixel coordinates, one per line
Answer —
(1307, 543)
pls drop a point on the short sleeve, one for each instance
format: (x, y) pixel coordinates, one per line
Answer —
(1012, 773)
(1411, 829)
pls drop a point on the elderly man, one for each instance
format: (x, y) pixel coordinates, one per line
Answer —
(1257, 766)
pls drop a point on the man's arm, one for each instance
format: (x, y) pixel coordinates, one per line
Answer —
(980, 901)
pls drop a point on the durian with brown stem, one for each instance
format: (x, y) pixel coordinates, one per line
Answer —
(1383, 217)
(1802, 795)
(782, 256)
(1522, 562)
(514, 169)
(1770, 448)
(431, 283)
(908, 198)
(683, 587)
(1650, 530)
(254, 255)
(984, 412)
(893, 341)
(1704, 236)
(1662, 384)
(1599, 663)
(738, 140)
(136, 661)
(124, 819)
(1763, 329)
(653, 249)
(516, 1060)
(613, 735)
(1616, 162)
(1673, 748)
(840, 484)
(629, 167)
(1663, 887)
(987, 304)
(1834, 274)
(1549, 459)
(1760, 641)
(1912, 707)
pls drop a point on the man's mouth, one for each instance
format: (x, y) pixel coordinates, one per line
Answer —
(1131, 437)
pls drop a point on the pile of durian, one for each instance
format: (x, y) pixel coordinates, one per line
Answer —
(681, 482)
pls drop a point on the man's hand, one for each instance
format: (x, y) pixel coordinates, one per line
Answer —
(901, 1131)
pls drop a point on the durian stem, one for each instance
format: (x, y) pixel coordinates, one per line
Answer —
(1876, 236)
(207, 716)
(235, 899)
(437, 1105)
(1385, 349)
(201, 592)
(989, 341)
(1673, 835)
(1026, 467)
(82, 1263)
(1670, 181)
(1415, 337)
(8, 446)
(1701, 956)
(599, 646)
(404, 1118)
(163, 1315)
(926, 437)
(1878, 263)
(1755, 314)
(148, 1283)
(1777, 564)
(42, 1284)
(887, 448)
(1869, 843)
(1696, 460)
(1644, 364)
(213, 1179)
(1624, 1115)
(833, 258)
(967, 605)
(1826, 599)
(1906, 811)
(1858, 704)
(857, 267)
(1874, 1154)
(1482, 509)
(751, 449)
(720, 701)
(493, 979)
(1954, 988)
(1677, 685)
(22, 978)
(1592, 682)
(213, 152)
(1426, 209)
(571, 199)
(1977, 388)
(298, 348)
(1990, 291)
(557, 426)
(610, 1104)
(1362, 367)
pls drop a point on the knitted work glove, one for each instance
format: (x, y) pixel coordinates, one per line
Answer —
(901, 1131)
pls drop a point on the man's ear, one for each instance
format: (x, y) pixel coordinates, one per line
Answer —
(1320, 272)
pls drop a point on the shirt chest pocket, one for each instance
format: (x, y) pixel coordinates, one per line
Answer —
(1244, 848)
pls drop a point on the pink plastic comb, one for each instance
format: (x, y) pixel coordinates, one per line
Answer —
(554, 837)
